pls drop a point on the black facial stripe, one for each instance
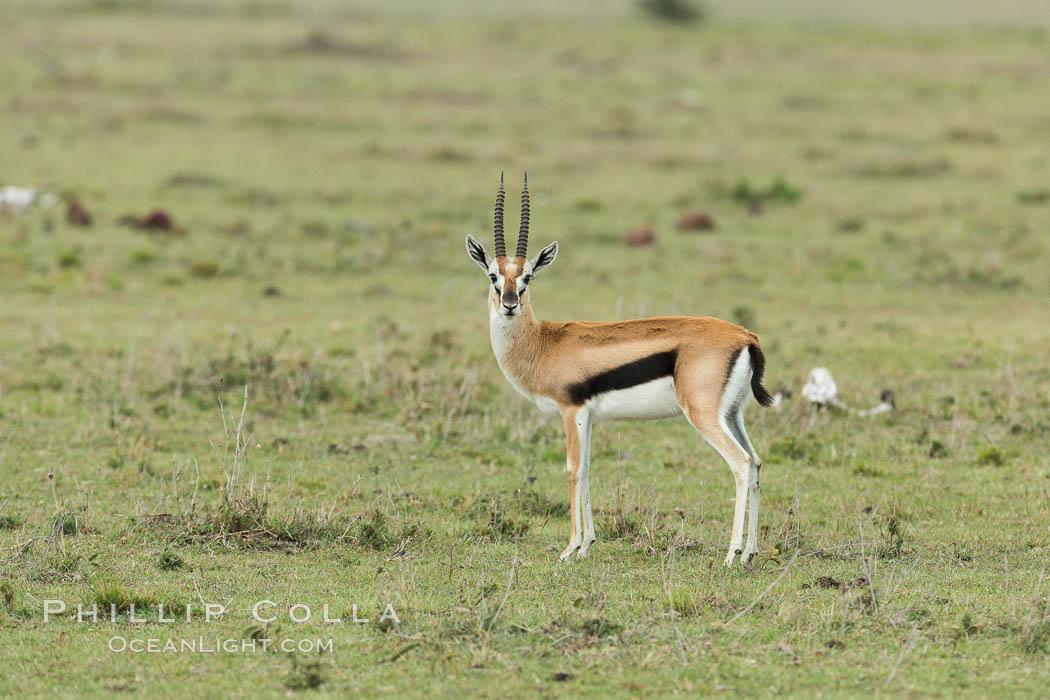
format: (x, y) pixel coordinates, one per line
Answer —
(625, 376)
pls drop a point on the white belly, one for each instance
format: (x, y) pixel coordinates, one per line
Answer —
(655, 399)
(547, 406)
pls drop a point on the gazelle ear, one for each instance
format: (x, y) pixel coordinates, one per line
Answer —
(545, 258)
(477, 253)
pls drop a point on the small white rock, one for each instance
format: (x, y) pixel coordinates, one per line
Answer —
(819, 387)
(15, 198)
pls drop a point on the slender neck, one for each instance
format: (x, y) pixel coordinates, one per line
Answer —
(508, 332)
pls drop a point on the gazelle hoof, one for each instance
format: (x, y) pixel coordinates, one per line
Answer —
(573, 546)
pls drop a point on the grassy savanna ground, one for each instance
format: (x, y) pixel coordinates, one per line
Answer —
(323, 167)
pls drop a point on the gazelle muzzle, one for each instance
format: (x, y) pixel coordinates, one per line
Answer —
(509, 300)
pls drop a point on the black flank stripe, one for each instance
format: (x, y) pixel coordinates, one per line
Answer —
(625, 376)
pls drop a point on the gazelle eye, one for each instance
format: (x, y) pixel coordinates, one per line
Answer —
(526, 279)
(493, 278)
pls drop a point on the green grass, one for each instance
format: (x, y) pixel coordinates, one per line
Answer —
(322, 166)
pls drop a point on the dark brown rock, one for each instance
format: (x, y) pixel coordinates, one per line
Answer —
(77, 214)
(696, 221)
(155, 220)
(640, 236)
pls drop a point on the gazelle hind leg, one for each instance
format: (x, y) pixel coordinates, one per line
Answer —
(739, 462)
(574, 452)
(713, 419)
(718, 435)
(736, 422)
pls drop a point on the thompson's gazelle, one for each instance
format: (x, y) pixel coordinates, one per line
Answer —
(647, 368)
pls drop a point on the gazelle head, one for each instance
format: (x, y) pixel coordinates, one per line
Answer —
(509, 278)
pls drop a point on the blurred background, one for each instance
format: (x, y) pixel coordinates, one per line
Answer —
(312, 138)
(863, 184)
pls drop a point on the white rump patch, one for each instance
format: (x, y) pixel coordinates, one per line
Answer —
(735, 395)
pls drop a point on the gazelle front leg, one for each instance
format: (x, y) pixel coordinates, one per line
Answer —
(583, 422)
(574, 418)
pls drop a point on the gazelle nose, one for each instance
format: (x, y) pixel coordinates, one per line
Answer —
(510, 299)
